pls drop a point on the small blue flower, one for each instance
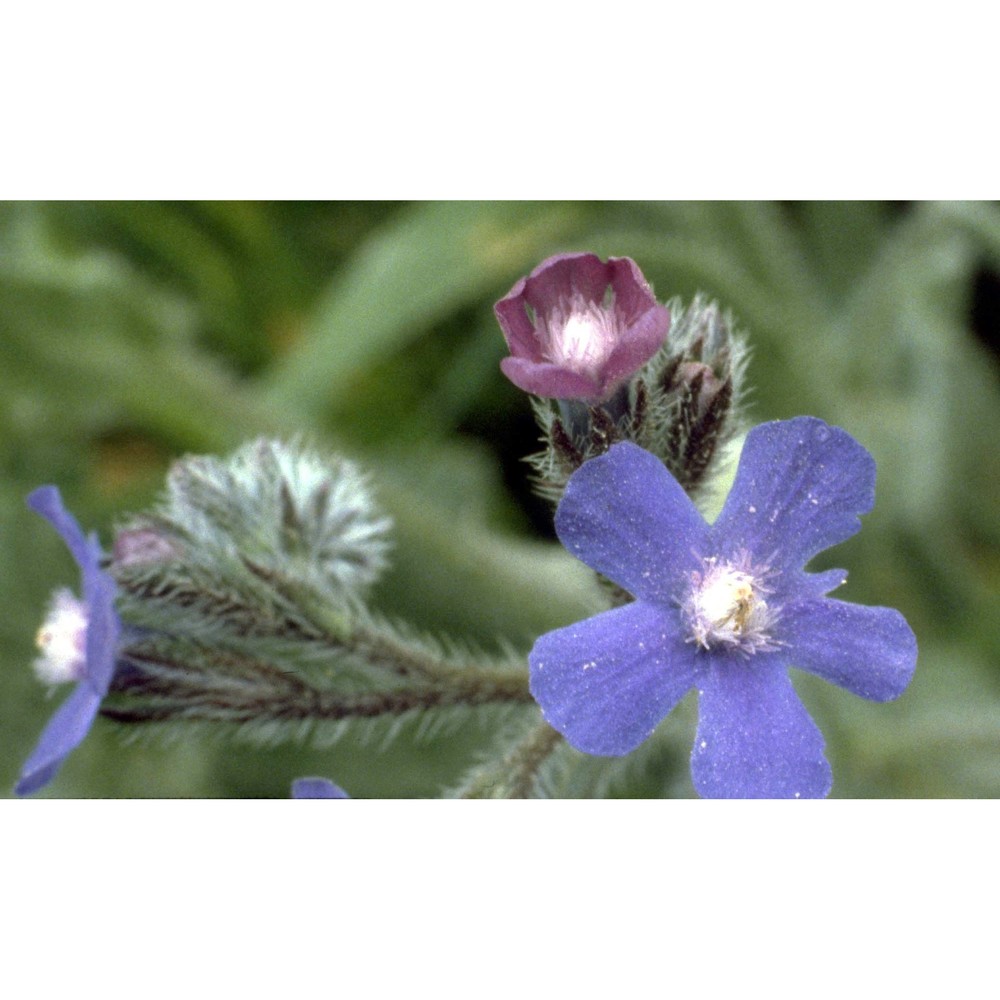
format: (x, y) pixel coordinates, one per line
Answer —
(78, 643)
(317, 788)
(724, 608)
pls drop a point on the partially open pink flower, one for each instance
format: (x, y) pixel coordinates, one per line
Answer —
(577, 327)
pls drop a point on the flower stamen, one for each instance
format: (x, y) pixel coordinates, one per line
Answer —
(725, 606)
(582, 338)
(62, 640)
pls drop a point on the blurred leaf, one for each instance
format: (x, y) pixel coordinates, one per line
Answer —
(167, 231)
(453, 570)
(425, 263)
(757, 234)
(842, 239)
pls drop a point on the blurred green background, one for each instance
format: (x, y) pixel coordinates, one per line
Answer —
(132, 333)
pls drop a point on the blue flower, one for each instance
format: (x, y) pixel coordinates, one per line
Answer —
(78, 642)
(724, 608)
(317, 788)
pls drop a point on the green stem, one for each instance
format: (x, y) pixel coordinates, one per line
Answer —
(515, 774)
(158, 686)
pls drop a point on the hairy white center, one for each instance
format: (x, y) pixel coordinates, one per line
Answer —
(725, 607)
(725, 600)
(62, 640)
(584, 340)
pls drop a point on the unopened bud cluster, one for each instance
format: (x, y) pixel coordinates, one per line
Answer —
(681, 406)
(271, 545)
(270, 506)
(246, 589)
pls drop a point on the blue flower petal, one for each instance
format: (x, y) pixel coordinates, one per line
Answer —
(103, 627)
(317, 788)
(625, 515)
(64, 732)
(72, 721)
(815, 584)
(606, 682)
(871, 652)
(47, 502)
(799, 489)
(755, 739)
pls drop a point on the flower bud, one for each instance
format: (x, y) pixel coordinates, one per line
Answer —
(141, 545)
(693, 391)
(282, 506)
(701, 385)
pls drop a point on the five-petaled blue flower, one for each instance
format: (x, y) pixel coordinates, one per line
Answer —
(78, 643)
(317, 788)
(724, 608)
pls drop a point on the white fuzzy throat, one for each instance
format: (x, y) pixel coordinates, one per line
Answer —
(725, 607)
(582, 337)
(62, 640)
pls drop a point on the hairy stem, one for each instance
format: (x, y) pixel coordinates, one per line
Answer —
(150, 686)
(513, 776)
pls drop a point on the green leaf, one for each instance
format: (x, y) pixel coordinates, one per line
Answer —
(842, 239)
(427, 262)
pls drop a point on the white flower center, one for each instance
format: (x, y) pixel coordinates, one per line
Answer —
(584, 339)
(62, 640)
(726, 607)
(726, 601)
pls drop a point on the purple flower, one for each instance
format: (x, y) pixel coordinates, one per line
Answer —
(577, 328)
(724, 608)
(77, 641)
(317, 788)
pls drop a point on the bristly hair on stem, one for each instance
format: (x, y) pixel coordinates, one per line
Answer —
(515, 774)
(165, 679)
